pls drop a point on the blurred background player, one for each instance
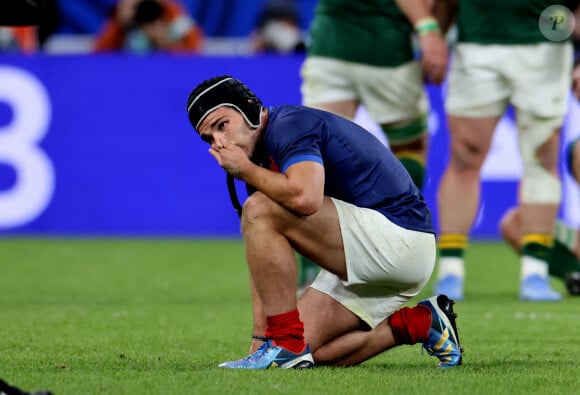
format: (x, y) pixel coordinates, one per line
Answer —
(142, 26)
(511, 63)
(361, 53)
(564, 262)
(278, 29)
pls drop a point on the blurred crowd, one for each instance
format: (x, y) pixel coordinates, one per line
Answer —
(142, 26)
(170, 25)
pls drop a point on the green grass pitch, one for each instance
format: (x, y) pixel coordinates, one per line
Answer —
(132, 316)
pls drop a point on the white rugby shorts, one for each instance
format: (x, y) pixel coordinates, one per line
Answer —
(483, 79)
(386, 264)
(389, 94)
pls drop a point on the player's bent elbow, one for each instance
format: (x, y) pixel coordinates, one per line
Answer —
(306, 206)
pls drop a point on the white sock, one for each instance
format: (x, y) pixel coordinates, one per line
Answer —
(451, 265)
(531, 265)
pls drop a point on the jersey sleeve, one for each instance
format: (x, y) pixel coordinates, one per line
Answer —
(296, 137)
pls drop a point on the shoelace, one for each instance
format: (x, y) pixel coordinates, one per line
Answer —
(259, 352)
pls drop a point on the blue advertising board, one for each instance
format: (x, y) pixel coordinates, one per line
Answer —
(101, 146)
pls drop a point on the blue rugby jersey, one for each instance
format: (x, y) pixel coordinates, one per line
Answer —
(359, 169)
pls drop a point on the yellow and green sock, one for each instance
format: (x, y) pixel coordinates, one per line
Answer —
(451, 250)
(535, 254)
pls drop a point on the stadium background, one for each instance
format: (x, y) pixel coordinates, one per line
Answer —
(99, 145)
(218, 18)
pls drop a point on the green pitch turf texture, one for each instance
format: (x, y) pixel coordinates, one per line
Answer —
(124, 316)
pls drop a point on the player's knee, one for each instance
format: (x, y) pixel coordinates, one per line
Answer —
(537, 138)
(467, 159)
(540, 184)
(257, 206)
(467, 153)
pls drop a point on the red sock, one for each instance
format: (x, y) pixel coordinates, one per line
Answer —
(411, 325)
(286, 330)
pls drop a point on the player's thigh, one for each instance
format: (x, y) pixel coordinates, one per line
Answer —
(471, 138)
(318, 237)
(324, 318)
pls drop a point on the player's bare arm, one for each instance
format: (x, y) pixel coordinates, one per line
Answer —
(300, 189)
(433, 46)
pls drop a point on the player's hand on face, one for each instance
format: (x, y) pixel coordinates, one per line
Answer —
(434, 56)
(230, 157)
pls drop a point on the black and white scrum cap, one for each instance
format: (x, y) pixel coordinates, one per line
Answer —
(223, 91)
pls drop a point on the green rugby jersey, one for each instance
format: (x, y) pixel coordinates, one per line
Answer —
(372, 32)
(502, 21)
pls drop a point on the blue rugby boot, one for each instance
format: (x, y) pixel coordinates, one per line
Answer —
(443, 340)
(450, 285)
(535, 288)
(271, 356)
